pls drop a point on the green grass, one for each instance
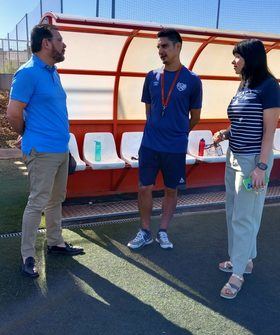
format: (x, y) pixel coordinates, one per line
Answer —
(13, 194)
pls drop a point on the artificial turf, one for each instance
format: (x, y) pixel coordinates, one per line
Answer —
(13, 195)
(111, 290)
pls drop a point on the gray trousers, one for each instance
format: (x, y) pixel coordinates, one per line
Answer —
(243, 209)
(47, 174)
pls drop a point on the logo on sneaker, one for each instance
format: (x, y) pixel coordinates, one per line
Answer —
(181, 181)
(141, 239)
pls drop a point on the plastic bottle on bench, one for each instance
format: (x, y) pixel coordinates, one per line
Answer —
(97, 151)
(218, 149)
(201, 147)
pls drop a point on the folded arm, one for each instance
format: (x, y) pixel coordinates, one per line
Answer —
(15, 115)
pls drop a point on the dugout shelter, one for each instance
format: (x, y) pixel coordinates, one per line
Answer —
(103, 73)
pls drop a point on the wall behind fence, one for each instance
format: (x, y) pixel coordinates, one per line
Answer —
(5, 81)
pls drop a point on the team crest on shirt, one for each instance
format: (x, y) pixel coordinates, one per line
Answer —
(251, 95)
(181, 86)
(245, 95)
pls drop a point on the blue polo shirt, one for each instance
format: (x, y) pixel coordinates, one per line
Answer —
(169, 132)
(46, 119)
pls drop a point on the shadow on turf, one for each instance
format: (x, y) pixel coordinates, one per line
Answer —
(78, 301)
(191, 267)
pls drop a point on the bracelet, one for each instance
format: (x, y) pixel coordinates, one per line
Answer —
(223, 135)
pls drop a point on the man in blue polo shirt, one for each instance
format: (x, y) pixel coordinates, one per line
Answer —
(171, 94)
(37, 111)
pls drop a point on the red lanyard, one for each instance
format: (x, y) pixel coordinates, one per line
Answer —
(165, 102)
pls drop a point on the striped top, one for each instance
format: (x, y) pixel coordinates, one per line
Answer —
(245, 112)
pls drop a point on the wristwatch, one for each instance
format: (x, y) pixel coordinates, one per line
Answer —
(262, 166)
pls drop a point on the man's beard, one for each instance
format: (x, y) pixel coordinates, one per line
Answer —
(57, 56)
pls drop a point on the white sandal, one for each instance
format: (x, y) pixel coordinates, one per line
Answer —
(230, 290)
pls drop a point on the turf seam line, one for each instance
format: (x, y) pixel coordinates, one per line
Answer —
(68, 224)
(75, 226)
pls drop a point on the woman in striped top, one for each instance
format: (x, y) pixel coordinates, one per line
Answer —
(253, 113)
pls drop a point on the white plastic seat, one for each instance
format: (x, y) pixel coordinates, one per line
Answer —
(190, 159)
(195, 136)
(73, 148)
(130, 145)
(109, 157)
(276, 144)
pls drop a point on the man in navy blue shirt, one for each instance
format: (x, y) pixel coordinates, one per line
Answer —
(173, 97)
(37, 111)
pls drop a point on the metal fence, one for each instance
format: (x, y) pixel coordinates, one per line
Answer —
(257, 15)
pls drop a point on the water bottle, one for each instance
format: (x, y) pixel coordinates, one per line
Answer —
(201, 147)
(218, 149)
(97, 151)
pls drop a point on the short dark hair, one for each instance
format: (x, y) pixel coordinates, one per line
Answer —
(39, 32)
(255, 69)
(171, 34)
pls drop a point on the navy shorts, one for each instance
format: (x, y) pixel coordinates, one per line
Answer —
(171, 165)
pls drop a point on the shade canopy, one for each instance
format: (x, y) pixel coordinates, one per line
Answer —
(107, 60)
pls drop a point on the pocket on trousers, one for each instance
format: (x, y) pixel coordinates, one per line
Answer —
(25, 158)
(28, 158)
(257, 159)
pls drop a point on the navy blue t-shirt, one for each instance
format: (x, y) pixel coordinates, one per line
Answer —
(169, 133)
(245, 112)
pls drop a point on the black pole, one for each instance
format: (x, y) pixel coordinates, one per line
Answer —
(27, 35)
(41, 7)
(61, 6)
(9, 56)
(97, 8)
(113, 9)
(218, 14)
(17, 46)
(3, 60)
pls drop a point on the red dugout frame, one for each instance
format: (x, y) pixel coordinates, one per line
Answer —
(104, 182)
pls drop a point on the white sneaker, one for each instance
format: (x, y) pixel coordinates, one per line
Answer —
(162, 239)
(140, 240)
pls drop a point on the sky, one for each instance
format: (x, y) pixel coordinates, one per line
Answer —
(12, 11)
(242, 15)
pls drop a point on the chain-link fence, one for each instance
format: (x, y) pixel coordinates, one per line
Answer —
(256, 15)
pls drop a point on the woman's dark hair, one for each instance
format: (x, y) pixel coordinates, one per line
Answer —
(39, 32)
(255, 69)
(171, 34)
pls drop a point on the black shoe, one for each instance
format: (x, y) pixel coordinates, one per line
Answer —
(69, 249)
(29, 269)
